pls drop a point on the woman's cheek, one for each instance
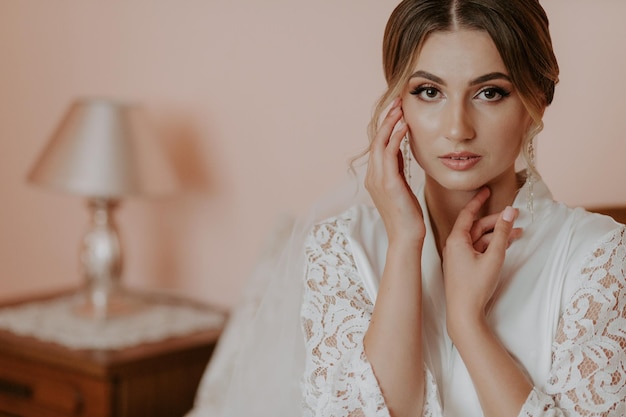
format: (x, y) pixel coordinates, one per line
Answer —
(426, 124)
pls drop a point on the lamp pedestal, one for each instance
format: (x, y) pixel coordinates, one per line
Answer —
(101, 264)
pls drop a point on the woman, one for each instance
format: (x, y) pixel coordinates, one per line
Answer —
(479, 295)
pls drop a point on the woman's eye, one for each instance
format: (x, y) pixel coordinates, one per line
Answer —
(427, 93)
(492, 94)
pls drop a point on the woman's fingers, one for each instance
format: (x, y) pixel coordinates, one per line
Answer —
(482, 243)
(392, 154)
(386, 127)
(380, 141)
(483, 226)
(482, 232)
(501, 233)
(472, 263)
(383, 165)
(465, 220)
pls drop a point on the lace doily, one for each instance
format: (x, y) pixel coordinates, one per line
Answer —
(56, 321)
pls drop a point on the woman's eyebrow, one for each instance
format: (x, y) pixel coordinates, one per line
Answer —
(482, 79)
(489, 77)
(428, 76)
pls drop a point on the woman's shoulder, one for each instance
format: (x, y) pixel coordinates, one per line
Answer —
(579, 233)
(590, 240)
(353, 229)
(590, 230)
(345, 221)
(598, 234)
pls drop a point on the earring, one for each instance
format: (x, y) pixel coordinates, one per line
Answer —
(406, 158)
(530, 179)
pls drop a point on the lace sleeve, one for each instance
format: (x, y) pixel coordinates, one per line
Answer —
(339, 380)
(588, 376)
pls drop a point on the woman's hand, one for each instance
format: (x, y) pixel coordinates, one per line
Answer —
(472, 260)
(472, 263)
(396, 203)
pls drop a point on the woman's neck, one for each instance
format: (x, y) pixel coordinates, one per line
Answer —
(444, 205)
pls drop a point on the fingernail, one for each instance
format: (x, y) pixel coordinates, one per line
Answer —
(395, 102)
(508, 214)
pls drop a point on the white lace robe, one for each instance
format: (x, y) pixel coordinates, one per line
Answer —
(585, 371)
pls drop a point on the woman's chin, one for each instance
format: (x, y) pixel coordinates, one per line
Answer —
(471, 180)
(460, 183)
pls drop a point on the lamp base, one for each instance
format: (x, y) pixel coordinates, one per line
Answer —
(117, 304)
(101, 261)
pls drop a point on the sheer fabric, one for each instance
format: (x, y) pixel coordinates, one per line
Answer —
(583, 372)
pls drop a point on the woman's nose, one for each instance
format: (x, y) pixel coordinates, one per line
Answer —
(459, 125)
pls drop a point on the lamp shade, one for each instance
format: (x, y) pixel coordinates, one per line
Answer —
(104, 148)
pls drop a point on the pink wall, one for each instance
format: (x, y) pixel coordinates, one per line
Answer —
(582, 151)
(259, 104)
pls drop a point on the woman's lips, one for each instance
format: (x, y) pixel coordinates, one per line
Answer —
(460, 161)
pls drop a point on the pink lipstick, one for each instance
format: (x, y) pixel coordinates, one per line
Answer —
(460, 161)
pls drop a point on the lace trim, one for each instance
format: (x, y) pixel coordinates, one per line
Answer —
(339, 380)
(588, 376)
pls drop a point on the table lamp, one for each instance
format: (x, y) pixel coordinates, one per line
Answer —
(103, 150)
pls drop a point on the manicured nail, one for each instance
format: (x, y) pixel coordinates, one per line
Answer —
(508, 214)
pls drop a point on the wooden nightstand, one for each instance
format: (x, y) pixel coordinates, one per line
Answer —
(157, 379)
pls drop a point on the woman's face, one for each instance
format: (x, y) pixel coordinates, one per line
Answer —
(466, 121)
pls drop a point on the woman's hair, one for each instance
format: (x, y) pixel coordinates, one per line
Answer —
(518, 28)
